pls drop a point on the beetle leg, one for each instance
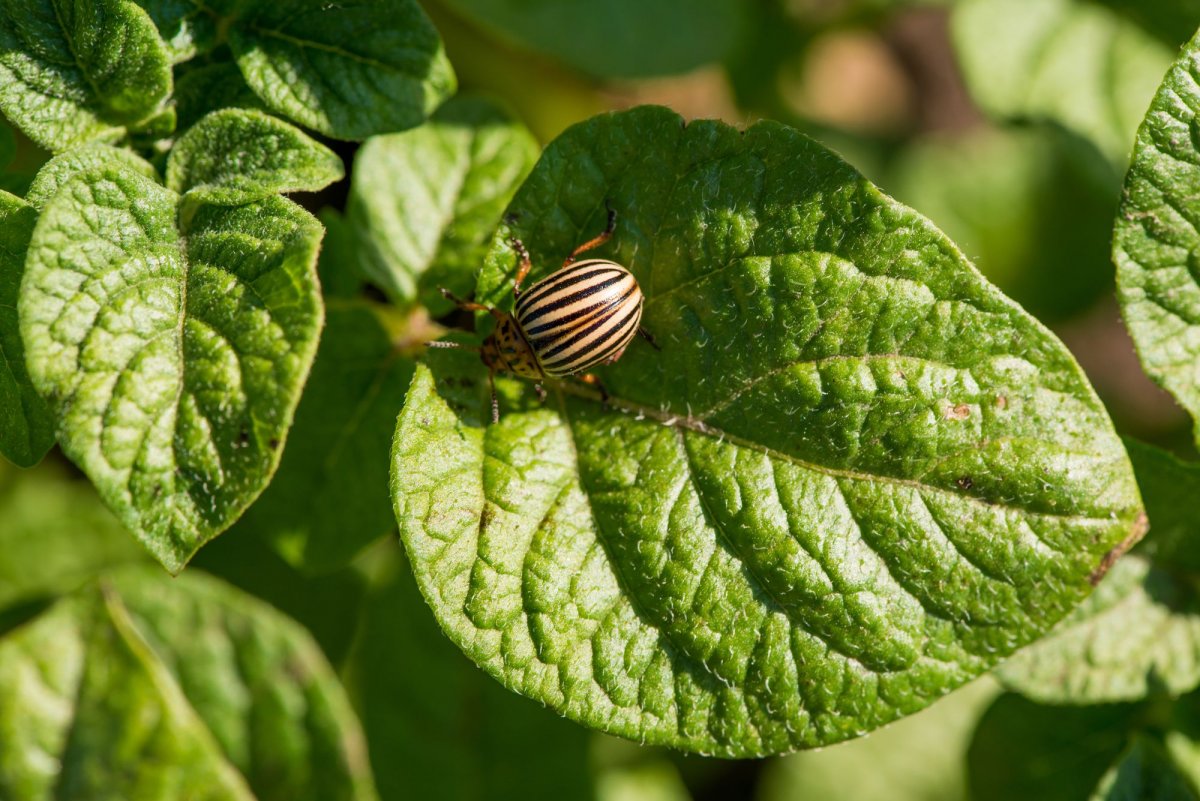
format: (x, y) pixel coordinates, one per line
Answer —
(523, 270)
(646, 335)
(605, 235)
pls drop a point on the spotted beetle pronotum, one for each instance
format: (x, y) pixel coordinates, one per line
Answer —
(584, 314)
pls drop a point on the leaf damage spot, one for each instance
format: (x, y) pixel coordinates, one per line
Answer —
(1140, 527)
(960, 411)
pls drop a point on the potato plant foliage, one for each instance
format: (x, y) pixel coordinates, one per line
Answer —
(853, 476)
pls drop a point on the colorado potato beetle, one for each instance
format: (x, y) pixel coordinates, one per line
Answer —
(584, 314)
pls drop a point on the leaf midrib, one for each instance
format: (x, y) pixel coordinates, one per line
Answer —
(639, 411)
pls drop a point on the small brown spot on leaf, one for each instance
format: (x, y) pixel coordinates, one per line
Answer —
(1140, 527)
(1001, 402)
(965, 482)
(274, 443)
(960, 412)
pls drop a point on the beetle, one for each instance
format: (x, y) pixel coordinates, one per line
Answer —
(584, 314)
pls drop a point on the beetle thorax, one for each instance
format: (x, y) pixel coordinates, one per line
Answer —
(506, 350)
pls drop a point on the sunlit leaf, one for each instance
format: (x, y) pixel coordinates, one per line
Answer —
(855, 476)
(174, 357)
(1156, 241)
(236, 156)
(74, 72)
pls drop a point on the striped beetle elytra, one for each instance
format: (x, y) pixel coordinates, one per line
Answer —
(584, 314)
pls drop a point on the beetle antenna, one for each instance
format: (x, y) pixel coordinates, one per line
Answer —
(445, 343)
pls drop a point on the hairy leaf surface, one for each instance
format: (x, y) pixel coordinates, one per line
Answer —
(174, 358)
(26, 423)
(855, 476)
(1137, 635)
(66, 165)
(237, 156)
(1156, 240)
(71, 72)
(920, 758)
(424, 203)
(349, 70)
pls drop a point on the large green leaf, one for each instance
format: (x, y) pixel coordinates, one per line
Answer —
(1072, 62)
(173, 357)
(855, 476)
(1156, 241)
(626, 39)
(152, 688)
(424, 203)
(73, 71)
(441, 730)
(26, 424)
(329, 498)
(236, 156)
(90, 713)
(349, 70)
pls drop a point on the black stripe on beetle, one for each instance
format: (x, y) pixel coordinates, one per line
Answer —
(583, 315)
